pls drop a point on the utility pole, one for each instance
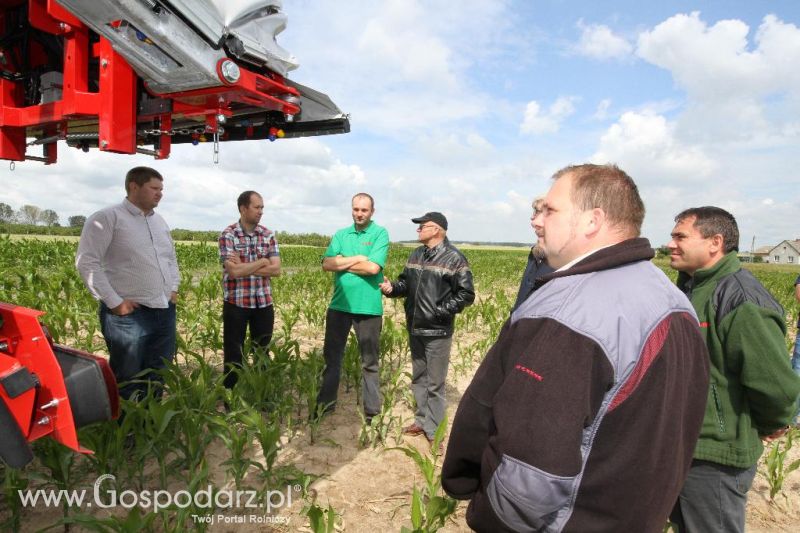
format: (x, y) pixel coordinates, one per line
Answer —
(753, 250)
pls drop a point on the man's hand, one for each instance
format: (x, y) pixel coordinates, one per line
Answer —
(774, 436)
(173, 297)
(338, 263)
(125, 308)
(386, 286)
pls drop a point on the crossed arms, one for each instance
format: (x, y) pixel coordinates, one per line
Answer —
(355, 264)
(265, 267)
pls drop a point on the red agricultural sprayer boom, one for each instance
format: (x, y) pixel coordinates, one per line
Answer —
(131, 76)
(127, 76)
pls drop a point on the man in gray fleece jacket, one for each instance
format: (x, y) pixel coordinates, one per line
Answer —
(584, 414)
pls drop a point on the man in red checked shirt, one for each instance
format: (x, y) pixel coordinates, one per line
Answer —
(249, 255)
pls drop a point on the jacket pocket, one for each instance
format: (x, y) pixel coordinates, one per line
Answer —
(525, 497)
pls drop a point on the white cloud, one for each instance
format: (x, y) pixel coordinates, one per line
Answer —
(601, 113)
(537, 122)
(455, 149)
(404, 48)
(717, 61)
(399, 63)
(293, 175)
(645, 145)
(737, 90)
(599, 42)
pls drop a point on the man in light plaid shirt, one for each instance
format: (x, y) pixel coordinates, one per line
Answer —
(249, 255)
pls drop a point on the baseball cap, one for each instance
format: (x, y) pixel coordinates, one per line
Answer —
(432, 216)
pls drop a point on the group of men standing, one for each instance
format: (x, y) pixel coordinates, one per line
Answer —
(436, 283)
(612, 398)
(127, 260)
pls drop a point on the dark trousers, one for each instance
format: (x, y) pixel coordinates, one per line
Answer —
(235, 321)
(796, 368)
(141, 340)
(368, 332)
(430, 359)
(713, 499)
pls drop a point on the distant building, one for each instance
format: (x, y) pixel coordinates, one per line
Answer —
(759, 255)
(785, 253)
(763, 252)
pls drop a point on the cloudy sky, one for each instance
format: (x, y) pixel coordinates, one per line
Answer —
(468, 107)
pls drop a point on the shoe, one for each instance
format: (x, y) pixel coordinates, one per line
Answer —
(413, 430)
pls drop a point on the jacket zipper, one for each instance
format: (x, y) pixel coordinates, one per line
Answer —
(416, 291)
(718, 408)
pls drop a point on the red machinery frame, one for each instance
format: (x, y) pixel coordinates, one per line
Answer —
(111, 111)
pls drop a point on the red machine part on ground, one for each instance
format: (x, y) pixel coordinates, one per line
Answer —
(47, 389)
(61, 80)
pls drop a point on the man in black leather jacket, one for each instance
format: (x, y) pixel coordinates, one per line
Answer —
(437, 284)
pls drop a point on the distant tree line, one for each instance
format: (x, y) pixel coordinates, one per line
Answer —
(33, 215)
(32, 220)
(307, 239)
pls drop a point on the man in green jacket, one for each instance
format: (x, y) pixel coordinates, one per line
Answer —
(752, 389)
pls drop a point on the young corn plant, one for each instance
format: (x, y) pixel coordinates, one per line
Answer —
(237, 440)
(321, 520)
(133, 522)
(776, 469)
(351, 367)
(158, 432)
(267, 434)
(308, 383)
(377, 431)
(179, 519)
(59, 461)
(14, 481)
(430, 507)
(107, 440)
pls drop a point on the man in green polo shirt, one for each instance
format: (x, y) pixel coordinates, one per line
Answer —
(356, 256)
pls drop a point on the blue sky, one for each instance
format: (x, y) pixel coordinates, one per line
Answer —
(468, 107)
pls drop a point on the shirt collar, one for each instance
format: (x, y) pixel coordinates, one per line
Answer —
(353, 228)
(581, 258)
(133, 210)
(727, 263)
(256, 230)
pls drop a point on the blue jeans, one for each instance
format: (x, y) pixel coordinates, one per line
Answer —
(139, 341)
(796, 368)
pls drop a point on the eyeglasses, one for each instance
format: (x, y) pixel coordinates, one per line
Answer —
(423, 226)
